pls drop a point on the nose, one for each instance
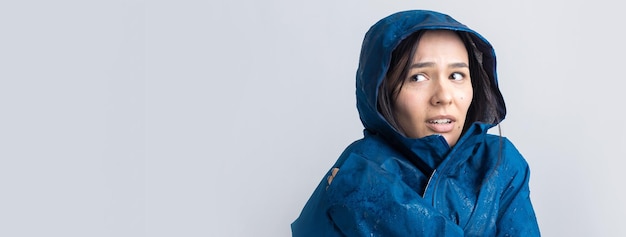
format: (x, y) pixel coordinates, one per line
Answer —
(442, 94)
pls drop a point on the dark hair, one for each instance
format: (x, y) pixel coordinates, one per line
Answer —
(483, 107)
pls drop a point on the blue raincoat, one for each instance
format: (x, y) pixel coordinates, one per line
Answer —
(391, 185)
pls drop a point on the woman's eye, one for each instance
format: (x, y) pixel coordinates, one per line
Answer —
(418, 77)
(457, 76)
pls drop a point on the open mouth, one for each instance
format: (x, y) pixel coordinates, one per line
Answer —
(440, 121)
(441, 125)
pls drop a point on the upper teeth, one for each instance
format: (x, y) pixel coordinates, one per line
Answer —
(440, 121)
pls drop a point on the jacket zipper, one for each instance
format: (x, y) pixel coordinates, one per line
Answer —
(430, 179)
(432, 176)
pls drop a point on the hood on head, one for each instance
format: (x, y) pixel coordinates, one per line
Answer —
(378, 45)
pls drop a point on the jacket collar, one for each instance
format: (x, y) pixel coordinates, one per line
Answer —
(427, 153)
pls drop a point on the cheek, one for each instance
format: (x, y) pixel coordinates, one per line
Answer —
(467, 96)
(407, 106)
(401, 107)
(465, 100)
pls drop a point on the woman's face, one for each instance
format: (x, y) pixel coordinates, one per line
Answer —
(437, 92)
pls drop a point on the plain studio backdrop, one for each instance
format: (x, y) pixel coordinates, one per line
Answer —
(219, 118)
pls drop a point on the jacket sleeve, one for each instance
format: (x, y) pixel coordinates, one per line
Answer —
(367, 200)
(517, 217)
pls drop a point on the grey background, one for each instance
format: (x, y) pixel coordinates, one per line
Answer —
(219, 118)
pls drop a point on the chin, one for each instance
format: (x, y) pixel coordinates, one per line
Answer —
(451, 142)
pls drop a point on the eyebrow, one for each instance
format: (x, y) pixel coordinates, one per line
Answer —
(431, 64)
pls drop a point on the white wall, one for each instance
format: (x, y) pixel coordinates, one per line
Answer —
(219, 118)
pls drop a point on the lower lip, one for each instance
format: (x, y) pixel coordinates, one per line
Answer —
(441, 127)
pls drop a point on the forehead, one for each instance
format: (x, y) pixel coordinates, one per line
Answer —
(438, 35)
(441, 43)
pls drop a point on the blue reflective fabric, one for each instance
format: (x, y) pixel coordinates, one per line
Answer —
(390, 185)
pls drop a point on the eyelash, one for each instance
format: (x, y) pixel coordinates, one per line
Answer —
(457, 73)
(415, 77)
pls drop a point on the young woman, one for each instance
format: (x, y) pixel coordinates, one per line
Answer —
(427, 93)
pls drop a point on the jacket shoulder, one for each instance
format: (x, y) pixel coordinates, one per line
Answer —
(505, 149)
(372, 148)
(512, 169)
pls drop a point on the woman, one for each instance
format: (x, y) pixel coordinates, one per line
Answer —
(426, 93)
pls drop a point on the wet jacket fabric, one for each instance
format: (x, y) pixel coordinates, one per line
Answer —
(391, 185)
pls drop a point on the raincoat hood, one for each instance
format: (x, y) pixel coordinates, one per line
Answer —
(378, 45)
